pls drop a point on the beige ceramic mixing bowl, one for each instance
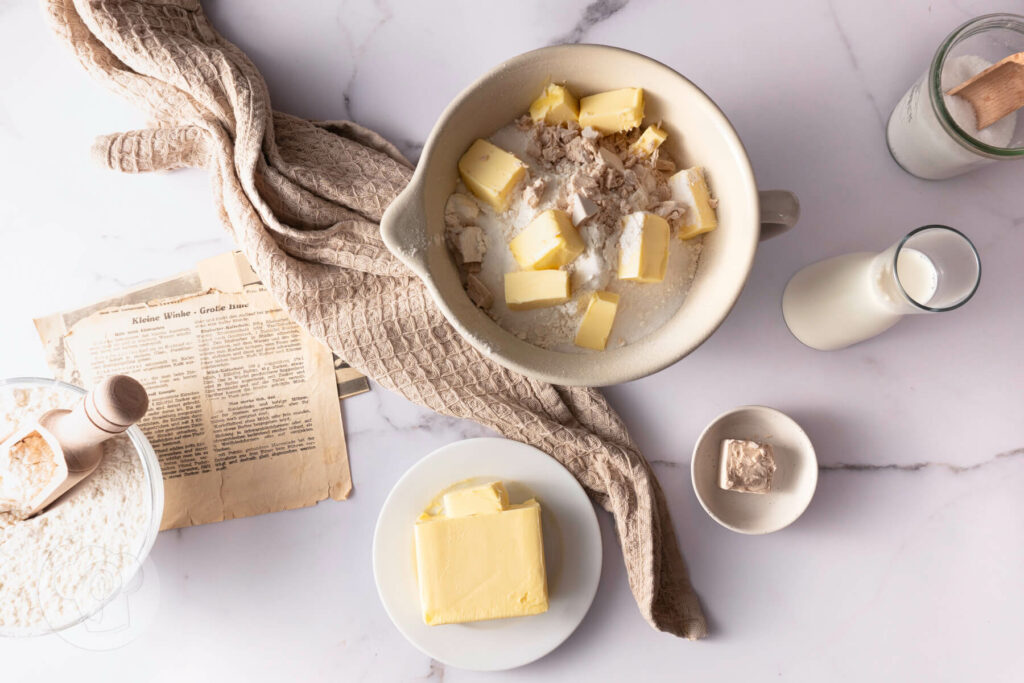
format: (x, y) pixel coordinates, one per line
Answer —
(699, 134)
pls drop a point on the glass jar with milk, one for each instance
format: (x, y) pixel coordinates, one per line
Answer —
(846, 299)
(934, 135)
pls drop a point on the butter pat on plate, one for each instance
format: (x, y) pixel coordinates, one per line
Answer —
(555, 105)
(615, 111)
(572, 553)
(597, 321)
(483, 565)
(549, 241)
(690, 187)
(527, 289)
(476, 500)
(643, 247)
(491, 173)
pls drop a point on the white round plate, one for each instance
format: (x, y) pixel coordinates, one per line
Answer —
(572, 553)
(793, 483)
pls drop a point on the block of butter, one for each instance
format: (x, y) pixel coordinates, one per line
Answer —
(491, 173)
(555, 105)
(747, 466)
(597, 321)
(643, 247)
(528, 289)
(690, 188)
(475, 500)
(649, 141)
(615, 111)
(487, 564)
(549, 241)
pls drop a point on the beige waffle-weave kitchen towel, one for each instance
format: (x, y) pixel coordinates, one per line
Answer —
(303, 199)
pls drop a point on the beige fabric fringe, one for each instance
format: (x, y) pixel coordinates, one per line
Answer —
(303, 200)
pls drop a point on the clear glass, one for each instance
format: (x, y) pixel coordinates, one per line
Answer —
(154, 492)
(922, 134)
(846, 299)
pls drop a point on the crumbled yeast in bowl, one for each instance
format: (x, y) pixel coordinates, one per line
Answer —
(598, 181)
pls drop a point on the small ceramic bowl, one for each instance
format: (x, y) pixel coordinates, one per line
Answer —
(793, 484)
(699, 134)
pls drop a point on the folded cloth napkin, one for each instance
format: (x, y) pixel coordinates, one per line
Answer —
(303, 200)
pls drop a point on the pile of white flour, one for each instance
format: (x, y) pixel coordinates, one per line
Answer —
(63, 564)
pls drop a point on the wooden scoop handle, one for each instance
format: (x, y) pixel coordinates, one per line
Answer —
(995, 92)
(111, 407)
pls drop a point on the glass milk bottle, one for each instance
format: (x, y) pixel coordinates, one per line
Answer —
(933, 135)
(846, 299)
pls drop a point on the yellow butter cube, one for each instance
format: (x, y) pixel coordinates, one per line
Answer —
(482, 566)
(690, 188)
(643, 248)
(491, 173)
(528, 289)
(615, 111)
(555, 105)
(549, 241)
(649, 141)
(597, 321)
(475, 500)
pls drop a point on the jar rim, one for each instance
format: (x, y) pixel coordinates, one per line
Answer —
(899, 284)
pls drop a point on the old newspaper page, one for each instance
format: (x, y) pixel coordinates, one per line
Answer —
(244, 412)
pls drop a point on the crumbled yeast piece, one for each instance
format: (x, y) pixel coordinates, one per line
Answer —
(460, 210)
(471, 244)
(478, 292)
(534, 192)
(583, 207)
(611, 159)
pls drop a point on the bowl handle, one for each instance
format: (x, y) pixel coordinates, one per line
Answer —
(780, 210)
(403, 227)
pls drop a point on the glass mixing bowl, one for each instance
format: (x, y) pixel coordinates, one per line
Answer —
(153, 492)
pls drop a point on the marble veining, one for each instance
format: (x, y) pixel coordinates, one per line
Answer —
(358, 47)
(593, 14)
(436, 672)
(916, 466)
(854, 62)
(889, 467)
(906, 565)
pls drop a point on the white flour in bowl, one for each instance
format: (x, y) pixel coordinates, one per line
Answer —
(563, 162)
(64, 564)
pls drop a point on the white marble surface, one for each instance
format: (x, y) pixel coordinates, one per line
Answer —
(908, 565)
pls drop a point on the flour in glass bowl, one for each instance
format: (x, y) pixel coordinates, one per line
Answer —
(64, 564)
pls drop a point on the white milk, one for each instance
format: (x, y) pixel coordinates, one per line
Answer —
(840, 301)
(923, 147)
(917, 275)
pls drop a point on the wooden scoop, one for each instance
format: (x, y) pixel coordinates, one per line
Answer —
(996, 91)
(75, 436)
